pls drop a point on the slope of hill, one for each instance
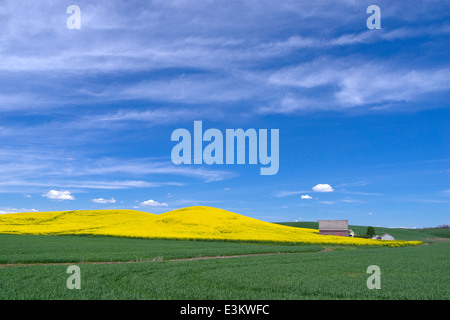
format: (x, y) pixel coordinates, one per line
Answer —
(205, 223)
(436, 232)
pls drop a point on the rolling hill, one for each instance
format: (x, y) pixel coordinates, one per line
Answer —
(192, 223)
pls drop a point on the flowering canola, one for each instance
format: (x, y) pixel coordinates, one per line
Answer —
(192, 223)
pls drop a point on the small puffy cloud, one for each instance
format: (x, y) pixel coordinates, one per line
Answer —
(27, 195)
(104, 201)
(58, 195)
(153, 203)
(305, 196)
(323, 188)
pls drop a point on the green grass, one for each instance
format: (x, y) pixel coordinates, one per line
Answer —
(304, 224)
(46, 249)
(398, 233)
(436, 232)
(406, 273)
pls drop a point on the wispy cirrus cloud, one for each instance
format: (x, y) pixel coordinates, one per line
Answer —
(40, 169)
(353, 85)
(214, 63)
(282, 194)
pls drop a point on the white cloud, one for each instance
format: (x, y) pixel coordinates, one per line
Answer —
(158, 116)
(323, 188)
(283, 194)
(59, 195)
(82, 184)
(209, 37)
(305, 196)
(192, 89)
(14, 210)
(390, 84)
(153, 203)
(351, 201)
(104, 201)
(145, 167)
(27, 171)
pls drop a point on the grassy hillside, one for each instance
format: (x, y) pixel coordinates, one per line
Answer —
(398, 233)
(205, 223)
(436, 232)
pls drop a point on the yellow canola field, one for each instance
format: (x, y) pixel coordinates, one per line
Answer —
(202, 223)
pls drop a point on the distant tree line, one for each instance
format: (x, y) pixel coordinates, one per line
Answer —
(441, 226)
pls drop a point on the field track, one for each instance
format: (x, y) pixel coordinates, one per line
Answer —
(149, 260)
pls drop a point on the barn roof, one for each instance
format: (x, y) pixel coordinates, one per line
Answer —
(333, 225)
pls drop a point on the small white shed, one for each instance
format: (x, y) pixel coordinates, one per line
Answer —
(384, 236)
(387, 236)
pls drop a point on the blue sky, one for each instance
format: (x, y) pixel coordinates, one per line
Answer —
(86, 115)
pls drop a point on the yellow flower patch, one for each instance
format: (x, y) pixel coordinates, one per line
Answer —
(193, 223)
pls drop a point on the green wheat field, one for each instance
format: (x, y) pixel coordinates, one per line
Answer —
(34, 267)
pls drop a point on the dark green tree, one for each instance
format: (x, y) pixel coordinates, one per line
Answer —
(370, 231)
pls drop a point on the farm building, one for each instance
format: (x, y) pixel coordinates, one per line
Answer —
(333, 227)
(384, 236)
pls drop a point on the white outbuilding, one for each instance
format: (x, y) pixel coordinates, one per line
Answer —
(384, 236)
